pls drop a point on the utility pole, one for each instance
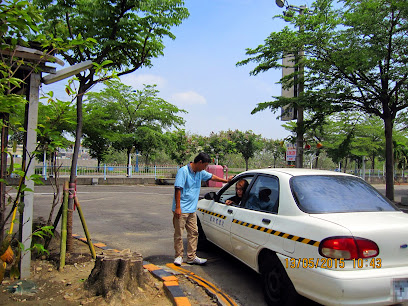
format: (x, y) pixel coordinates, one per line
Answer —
(299, 85)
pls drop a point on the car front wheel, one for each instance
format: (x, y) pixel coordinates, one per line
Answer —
(202, 239)
(277, 287)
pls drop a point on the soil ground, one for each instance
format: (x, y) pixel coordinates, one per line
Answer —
(66, 287)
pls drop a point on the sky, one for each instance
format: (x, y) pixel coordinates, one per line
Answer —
(198, 71)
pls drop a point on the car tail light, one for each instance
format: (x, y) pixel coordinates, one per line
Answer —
(348, 248)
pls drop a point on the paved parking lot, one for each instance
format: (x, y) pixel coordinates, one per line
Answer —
(139, 217)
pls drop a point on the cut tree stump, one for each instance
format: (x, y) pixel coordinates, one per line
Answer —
(115, 273)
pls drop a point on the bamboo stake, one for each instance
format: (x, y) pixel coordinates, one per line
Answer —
(11, 229)
(88, 237)
(14, 213)
(64, 227)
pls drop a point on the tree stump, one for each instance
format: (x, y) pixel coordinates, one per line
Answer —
(116, 273)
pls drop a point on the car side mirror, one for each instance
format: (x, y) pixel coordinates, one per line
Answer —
(209, 195)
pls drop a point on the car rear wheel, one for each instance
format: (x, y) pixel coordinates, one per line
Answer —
(277, 287)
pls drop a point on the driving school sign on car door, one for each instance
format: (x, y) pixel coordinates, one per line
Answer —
(290, 153)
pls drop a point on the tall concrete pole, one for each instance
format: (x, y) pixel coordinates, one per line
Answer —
(301, 89)
(26, 224)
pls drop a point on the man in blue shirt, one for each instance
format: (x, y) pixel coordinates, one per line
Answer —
(187, 190)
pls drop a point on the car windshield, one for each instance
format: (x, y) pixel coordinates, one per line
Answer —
(336, 194)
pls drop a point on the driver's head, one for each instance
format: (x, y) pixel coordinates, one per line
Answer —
(241, 187)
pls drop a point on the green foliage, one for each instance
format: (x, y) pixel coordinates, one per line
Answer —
(126, 36)
(247, 143)
(355, 60)
(275, 148)
(42, 232)
(349, 136)
(18, 20)
(56, 120)
(121, 117)
(180, 146)
(355, 57)
(217, 145)
(149, 140)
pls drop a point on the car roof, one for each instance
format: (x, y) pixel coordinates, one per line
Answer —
(296, 171)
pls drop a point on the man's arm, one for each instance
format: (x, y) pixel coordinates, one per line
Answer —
(177, 196)
(220, 179)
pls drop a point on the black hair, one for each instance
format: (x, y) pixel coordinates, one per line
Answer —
(245, 184)
(203, 157)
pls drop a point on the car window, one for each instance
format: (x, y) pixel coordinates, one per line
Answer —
(335, 194)
(231, 193)
(264, 194)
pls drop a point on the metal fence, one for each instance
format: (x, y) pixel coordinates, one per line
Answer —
(156, 172)
(169, 171)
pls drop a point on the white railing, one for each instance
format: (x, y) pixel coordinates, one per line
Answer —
(155, 171)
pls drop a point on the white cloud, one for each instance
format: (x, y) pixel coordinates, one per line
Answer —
(138, 80)
(188, 98)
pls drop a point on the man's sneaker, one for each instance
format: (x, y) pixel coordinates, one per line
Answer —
(197, 261)
(178, 261)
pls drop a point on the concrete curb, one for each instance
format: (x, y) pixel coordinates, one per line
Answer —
(170, 282)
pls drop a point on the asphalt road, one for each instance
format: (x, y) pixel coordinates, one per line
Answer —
(139, 218)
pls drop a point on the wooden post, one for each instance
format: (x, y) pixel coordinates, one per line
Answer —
(64, 227)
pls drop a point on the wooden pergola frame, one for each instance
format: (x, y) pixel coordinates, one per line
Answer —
(40, 59)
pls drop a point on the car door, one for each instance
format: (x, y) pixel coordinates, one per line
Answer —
(253, 221)
(218, 217)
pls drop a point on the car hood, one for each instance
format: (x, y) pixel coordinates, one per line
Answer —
(389, 230)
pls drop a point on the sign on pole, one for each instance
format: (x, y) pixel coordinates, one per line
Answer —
(290, 152)
(288, 113)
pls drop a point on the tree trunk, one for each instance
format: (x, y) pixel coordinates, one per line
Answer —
(3, 169)
(55, 185)
(389, 159)
(74, 163)
(246, 163)
(114, 273)
(129, 162)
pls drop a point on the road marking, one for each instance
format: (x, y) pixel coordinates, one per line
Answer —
(221, 296)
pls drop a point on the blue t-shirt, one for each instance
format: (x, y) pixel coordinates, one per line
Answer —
(190, 183)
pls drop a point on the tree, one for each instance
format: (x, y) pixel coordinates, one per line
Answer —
(247, 143)
(98, 129)
(132, 119)
(217, 145)
(180, 146)
(18, 28)
(56, 119)
(149, 140)
(355, 60)
(350, 136)
(400, 151)
(127, 35)
(276, 148)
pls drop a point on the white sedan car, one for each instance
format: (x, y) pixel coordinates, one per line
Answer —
(325, 235)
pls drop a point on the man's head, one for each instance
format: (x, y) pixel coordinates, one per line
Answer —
(241, 187)
(201, 161)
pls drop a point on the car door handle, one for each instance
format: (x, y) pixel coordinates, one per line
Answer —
(230, 211)
(266, 221)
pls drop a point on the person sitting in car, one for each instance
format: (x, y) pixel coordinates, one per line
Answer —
(263, 201)
(240, 188)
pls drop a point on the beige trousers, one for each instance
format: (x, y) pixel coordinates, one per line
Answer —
(189, 222)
